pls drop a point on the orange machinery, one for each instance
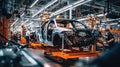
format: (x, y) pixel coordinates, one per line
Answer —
(61, 55)
(23, 41)
(92, 22)
(4, 22)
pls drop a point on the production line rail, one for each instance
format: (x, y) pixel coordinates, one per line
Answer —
(61, 55)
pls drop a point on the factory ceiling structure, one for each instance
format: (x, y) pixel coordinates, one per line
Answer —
(26, 12)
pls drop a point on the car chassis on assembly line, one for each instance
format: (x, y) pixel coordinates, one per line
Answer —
(62, 36)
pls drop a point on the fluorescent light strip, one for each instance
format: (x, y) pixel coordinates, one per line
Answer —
(75, 5)
(44, 7)
(113, 23)
(15, 22)
(36, 19)
(18, 19)
(65, 8)
(34, 3)
(25, 22)
(83, 19)
(78, 3)
(30, 23)
(22, 14)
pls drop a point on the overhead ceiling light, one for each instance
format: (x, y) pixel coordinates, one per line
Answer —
(34, 3)
(36, 19)
(83, 19)
(68, 7)
(30, 23)
(113, 23)
(22, 14)
(44, 7)
(15, 22)
(25, 22)
(78, 4)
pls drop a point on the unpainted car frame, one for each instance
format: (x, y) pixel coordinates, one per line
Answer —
(69, 33)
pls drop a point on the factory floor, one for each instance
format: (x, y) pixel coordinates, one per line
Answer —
(39, 54)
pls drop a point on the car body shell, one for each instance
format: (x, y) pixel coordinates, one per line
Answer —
(47, 35)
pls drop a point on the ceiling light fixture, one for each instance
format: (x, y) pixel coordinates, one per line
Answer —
(44, 7)
(22, 14)
(14, 22)
(34, 3)
(17, 19)
(83, 19)
(78, 4)
(25, 22)
(73, 5)
(30, 23)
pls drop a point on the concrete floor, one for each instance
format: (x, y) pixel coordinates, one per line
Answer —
(39, 54)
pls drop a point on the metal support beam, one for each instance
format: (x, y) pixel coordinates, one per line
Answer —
(70, 13)
(66, 8)
(46, 6)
